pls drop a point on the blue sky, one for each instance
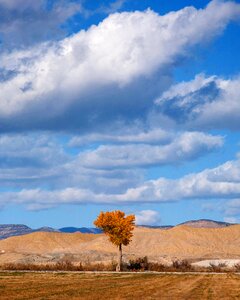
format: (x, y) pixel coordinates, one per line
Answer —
(126, 104)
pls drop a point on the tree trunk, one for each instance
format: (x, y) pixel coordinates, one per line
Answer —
(119, 264)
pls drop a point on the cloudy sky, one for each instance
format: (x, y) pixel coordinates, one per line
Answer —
(119, 104)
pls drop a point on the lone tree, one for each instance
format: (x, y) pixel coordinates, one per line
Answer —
(118, 228)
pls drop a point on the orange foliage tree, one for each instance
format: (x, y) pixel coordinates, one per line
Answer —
(119, 229)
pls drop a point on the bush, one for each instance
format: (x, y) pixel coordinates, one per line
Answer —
(182, 265)
(138, 264)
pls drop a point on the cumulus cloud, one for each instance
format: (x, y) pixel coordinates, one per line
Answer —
(204, 102)
(110, 72)
(101, 84)
(186, 146)
(148, 217)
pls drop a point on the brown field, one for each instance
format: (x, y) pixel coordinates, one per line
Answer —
(118, 286)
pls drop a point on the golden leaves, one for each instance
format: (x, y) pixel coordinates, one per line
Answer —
(117, 226)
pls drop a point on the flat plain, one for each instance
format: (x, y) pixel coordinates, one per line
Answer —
(74, 286)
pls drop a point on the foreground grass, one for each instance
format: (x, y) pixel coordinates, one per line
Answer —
(117, 286)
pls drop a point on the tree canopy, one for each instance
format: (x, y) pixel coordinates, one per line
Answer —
(117, 226)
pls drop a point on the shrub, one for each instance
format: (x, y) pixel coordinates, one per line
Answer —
(237, 267)
(157, 267)
(138, 264)
(217, 268)
(182, 265)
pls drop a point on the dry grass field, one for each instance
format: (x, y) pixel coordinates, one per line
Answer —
(64, 286)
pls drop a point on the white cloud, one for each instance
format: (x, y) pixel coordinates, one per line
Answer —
(148, 217)
(33, 160)
(221, 182)
(40, 159)
(112, 7)
(184, 93)
(127, 136)
(49, 82)
(186, 146)
(111, 74)
(204, 102)
(39, 150)
(36, 161)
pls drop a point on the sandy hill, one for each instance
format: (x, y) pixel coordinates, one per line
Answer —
(158, 244)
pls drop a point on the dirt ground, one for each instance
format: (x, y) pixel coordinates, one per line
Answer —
(118, 286)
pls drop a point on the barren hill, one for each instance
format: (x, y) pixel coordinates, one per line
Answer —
(159, 245)
(8, 230)
(205, 223)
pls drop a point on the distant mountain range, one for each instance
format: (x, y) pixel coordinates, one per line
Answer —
(81, 229)
(19, 229)
(9, 230)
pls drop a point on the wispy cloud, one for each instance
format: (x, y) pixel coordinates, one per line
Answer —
(41, 159)
(232, 208)
(222, 182)
(126, 135)
(183, 147)
(112, 7)
(26, 22)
